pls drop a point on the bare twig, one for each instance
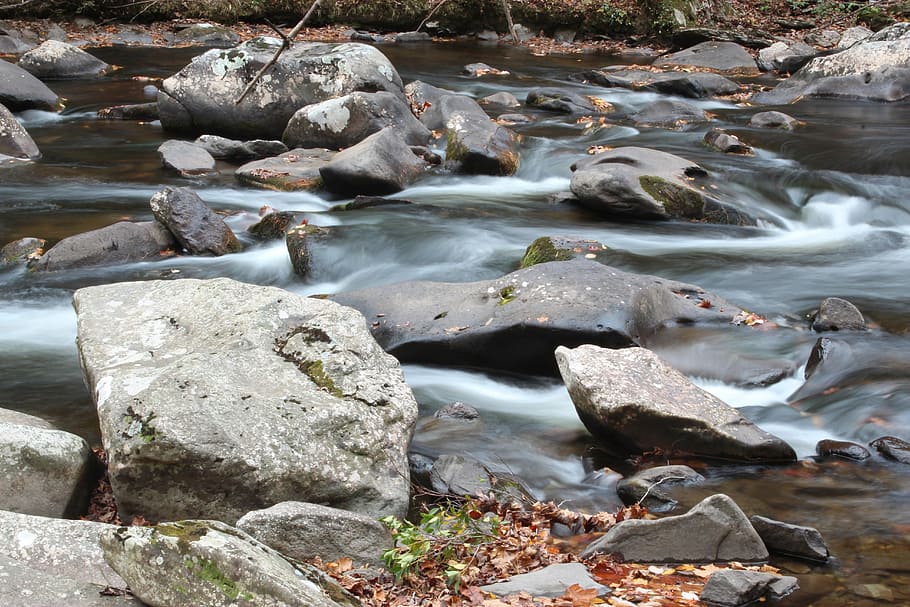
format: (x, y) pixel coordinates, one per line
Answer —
(284, 45)
(508, 11)
(430, 14)
(666, 478)
(277, 30)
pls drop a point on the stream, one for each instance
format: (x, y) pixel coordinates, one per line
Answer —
(834, 221)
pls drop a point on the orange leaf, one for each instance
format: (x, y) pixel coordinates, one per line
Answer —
(580, 597)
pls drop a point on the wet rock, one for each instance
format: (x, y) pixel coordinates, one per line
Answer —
(55, 60)
(628, 398)
(724, 57)
(734, 588)
(123, 242)
(791, 540)
(134, 111)
(13, 45)
(298, 241)
(223, 148)
(564, 35)
(480, 146)
(853, 360)
(893, 448)
(714, 531)
(186, 158)
(774, 120)
(15, 141)
(410, 37)
(461, 475)
(380, 164)
(345, 121)
(697, 85)
(564, 102)
(428, 155)
(207, 34)
(502, 99)
(511, 119)
(238, 397)
(836, 314)
(304, 531)
(295, 170)
(653, 488)
(198, 229)
(839, 448)
(19, 90)
(46, 471)
(274, 225)
(210, 563)
(25, 586)
(694, 35)
(440, 109)
(476, 70)
(515, 322)
(785, 57)
(369, 202)
(457, 410)
(308, 72)
(726, 143)
(425, 98)
(550, 581)
(669, 113)
(549, 248)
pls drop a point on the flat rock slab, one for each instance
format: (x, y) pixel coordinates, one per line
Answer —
(551, 581)
(515, 322)
(24, 586)
(732, 588)
(724, 57)
(696, 85)
(294, 170)
(186, 158)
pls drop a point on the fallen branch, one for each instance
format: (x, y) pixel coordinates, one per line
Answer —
(508, 11)
(285, 43)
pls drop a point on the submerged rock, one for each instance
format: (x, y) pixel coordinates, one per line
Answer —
(845, 449)
(653, 488)
(122, 242)
(892, 448)
(669, 113)
(134, 111)
(55, 60)
(564, 102)
(836, 314)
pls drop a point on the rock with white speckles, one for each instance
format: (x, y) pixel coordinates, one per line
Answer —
(15, 141)
(55, 60)
(196, 227)
(24, 586)
(201, 98)
(217, 397)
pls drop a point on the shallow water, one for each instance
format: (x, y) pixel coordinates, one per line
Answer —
(835, 221)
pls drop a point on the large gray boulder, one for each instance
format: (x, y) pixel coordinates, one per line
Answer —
(202, 96)
(303, 531)
(24, 586)
(19, 90)
(713, 531)
(44, 472)
(629, 399)
(425, 99)
(695, 85)
(516, 321)
(55, 60)
(344, 121)
(122, 242)
(209, 563)
(216, 397)
(380, 164)
(785, 57)
(196, 227)
(297, 169)
(15, 141)
(724, 57)
(648, 184)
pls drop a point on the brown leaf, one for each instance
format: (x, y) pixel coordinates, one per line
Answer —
(580, 597)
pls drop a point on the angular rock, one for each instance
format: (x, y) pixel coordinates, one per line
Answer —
(198, 229)
(696, 85)
(845, 449)
(274, 225)
(135, 111)
(629, 399)
(893, 448)
(457, 410)
(734, 588)
(55, 60)
(295, 170)
(24, 586)
(724, 57)
(425, 98)
(122, 242)
(210, 563)
(19, 90)
(46, 472)
(836, 314)
(785, 57)
(550, 581)
(303, 531)
(201, 97)
(726, 143)
(238, 397)
(669, 113)
(774, 120)
(409, 37)
(345, 121)
(713, 531)
(791, 540)
(564, 102)
(207, 34)
(223, 148)
(186, 158)
(298, 241)
(15, 141)
(516, 321)
(380, 164)
(653, 488)
(463, 475)
(479, 146)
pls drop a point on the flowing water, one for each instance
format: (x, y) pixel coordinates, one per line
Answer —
(835, 221)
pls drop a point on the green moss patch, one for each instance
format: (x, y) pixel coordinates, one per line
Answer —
(543, 250)
(677, 200)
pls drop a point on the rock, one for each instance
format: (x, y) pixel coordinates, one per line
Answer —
(345, 121)
(21, 251)
(549, 248)
(564, 102)
(274, 225)
(502, 99)
(564, 35)
(696, 35)
(55, 60)
(488, 36)
(836, 314)
(726, 143)
(790, 540)
(550, 581)
(648, 184)
(479, 146)
(13, 45)
(476, 70)
(457, 410)
(369, 202)
(207, 34)
(652, 488)
(785, 57)
(304, 531)
(515, 322)
(853, 361)
(853, 35)
(147, 112)
(435, 115)
(198, 229)
(823, 38)
(46, 472)
(295, 170)
(122, 242)
(733, 588)
(23, 419)
(223, 148)
(409, 37)
(15, 141)
(845, 449)
(186, 158)
(425, 99)
(893, 448)
(774, 120)
(19, 90)
(298, 240)
(64, 548)
(210, 563)
(669, 113)
(724, 57)
(714, 531)
(523, 32)
(308, 72)
(629, 399)
(238, 397)
(512, 119)
(697, 85)
(135, 35)
(463, 475)
(24, 586)
(380, 164)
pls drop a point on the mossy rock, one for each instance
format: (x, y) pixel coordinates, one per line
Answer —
(679, 201)
(543, 250)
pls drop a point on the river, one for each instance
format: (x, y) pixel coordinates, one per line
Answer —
(835, 221)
